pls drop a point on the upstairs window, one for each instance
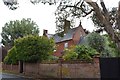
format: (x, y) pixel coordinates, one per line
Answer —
(66, 45)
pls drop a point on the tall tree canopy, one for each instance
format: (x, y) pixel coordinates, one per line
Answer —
(15, 29)
(69, 9)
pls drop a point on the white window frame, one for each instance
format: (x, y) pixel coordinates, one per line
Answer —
(66, 45)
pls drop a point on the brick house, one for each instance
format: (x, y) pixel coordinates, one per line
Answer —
(70, 37)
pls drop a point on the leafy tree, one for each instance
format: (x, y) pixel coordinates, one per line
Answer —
(96, 41)
(34, 48)
(110, 47)
(30, 49)
(11, 56)
(101, 43)
(70, 9)
(15, 29)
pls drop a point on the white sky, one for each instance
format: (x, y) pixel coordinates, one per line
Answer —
(42, 14)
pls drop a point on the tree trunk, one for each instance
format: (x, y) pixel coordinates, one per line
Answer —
(103, 16)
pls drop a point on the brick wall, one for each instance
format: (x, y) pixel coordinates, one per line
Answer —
(69, 69)
(60, 47)
(13, 68)
(75, 69)
(78, 33)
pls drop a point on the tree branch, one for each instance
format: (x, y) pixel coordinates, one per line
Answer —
(103, 6)
(105, 11)
(118, 17)
(86, 13)
(108, 27)
(71, 7)
(78, 3)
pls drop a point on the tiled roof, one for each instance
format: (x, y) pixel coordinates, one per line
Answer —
(49, 35)
(67, 36)
(83, 40)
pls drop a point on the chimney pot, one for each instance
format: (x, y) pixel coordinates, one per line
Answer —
(45, 32)
(66, 25)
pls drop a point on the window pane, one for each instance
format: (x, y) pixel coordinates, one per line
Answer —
(66, 45)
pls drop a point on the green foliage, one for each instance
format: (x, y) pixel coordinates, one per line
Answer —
(11, 56)
(109, 41)
(51, 58)
(15, 29)
(102, 43)
(85, 52)
(96, 41)
(30, 49)
(70, 54)
(34, 48)
(80, 52)
(110, 48)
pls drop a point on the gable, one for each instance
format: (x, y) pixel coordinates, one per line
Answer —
(73, 33)
(67, 36)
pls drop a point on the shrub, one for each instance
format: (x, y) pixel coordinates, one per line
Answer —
(85, 52)
(70, 54)
(34, 48)
(30, 49)
(51, 58)
(11, 56)
(80, 52)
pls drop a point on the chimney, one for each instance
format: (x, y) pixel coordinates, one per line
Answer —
(80, 24)
(45, 32)
(66, 26)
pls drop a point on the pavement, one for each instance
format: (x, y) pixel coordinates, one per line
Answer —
(8, 76)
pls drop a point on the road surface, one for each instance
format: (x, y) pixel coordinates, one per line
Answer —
(7, 76)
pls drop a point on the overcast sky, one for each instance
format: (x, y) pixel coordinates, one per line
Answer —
(43, 15)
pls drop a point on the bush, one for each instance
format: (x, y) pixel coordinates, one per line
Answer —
(70, 54)
(11, 56)
(34, 48)
(80, 52)
(51, 58)
(85, 53)
(30, 49)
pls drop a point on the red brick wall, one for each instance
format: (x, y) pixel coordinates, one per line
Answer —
(74, 69)
(76, 38)
(13, 68)
(79, 32)
(68, 69)
(60, 47)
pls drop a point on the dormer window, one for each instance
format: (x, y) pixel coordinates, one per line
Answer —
(66, 45)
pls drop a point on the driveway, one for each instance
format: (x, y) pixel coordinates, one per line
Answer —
(7, 76)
